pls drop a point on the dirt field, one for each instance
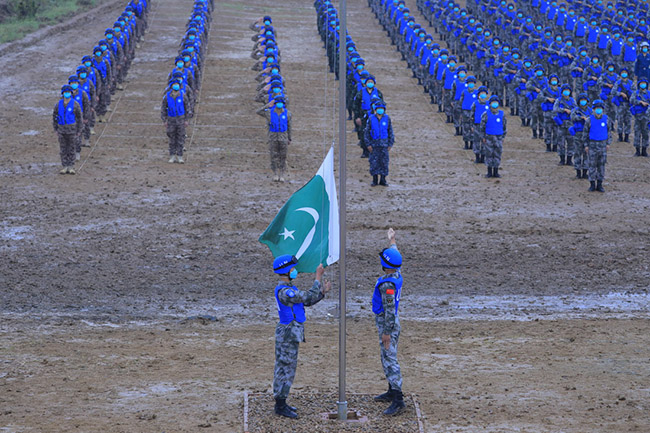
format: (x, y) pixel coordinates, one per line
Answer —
(526, 301)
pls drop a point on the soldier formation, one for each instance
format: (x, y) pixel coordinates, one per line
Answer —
(87, 96)
(184, 81)
(364, 101)
(271, 92)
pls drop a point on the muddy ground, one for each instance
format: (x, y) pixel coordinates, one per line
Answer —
(526, 300)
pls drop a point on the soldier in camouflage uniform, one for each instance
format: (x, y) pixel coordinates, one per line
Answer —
(279, 138)
(379, 139)
(622, 93)
(290, 330)
(385, 304)
(640, 103)
(67, 122)
(493, 125)
(175, 112)
(597, 128)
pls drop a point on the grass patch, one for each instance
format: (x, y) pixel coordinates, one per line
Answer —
(16, 25)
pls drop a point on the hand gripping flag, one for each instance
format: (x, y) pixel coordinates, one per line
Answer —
(307, 226)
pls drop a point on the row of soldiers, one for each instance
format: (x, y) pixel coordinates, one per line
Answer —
(364, 101)
(184, 81)
(87, 96)
(272, 93)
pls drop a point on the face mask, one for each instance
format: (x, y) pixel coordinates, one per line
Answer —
(528, 65)
(74, 86)
(470, 85)
(406, 14)
(436, 52)
(109, 36)
(624, 75)
(472, 21)
(595, 61)
(582, 20)
(539, 73)
(192, 37)
(568, 44)
(515, 56)
(452, 64)
(630, 40)
(487, 34)
(644, 49)
(293, 274)
(598, 110)
(480, 29)
(462, 75)
(558, 39)
(506, 49)
(67, 95)
(583, 103)
(380, 111)
(179, 64)
(444, 57)
(275, 72)
(83, 75)
(494, 105)
(643, 85)
(496, 42)
(267, 23)
(281, 105)
(276, 90)
(583, 54)
(610, 69)
(176, 87)
(370, 84)
(553, 83)
(566, 93)
(104, 48)
(186, 58)
(359, 67)
(98, 53)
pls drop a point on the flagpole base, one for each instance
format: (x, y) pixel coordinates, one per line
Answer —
(342, 410)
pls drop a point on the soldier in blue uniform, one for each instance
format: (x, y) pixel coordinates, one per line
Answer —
(622, 93)
(363, 108)
(385, 305)
(467, 99)
(379, 139)
(279, 137)
(580, 140)
(290, 330)
(67, 122)
(175, 112)
(639, 106)
(642, 65)
(562, 108)
(597, 128)
(480, 106)
(493, 124)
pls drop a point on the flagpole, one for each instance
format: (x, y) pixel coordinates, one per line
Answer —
(342, 403)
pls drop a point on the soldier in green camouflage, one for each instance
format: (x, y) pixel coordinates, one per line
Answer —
(290, 330)
(385, 303)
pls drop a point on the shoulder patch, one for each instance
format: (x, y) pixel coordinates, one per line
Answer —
(290, 293)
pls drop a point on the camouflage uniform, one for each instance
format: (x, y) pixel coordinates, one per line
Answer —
(623, 115)
(580, 140)
(176, 125)
(288, 338)
(380, 154)
(67, 134)
(493, 143)
(278, 142)
(597, 153)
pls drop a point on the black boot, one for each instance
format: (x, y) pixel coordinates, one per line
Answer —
(523, 122)
(382, 181)
(433, 101)
(387, 396)
(489, 173)
(449, 119)
(425, 90)
(627, 138)
(471, 145)
(517, 112)
(585, 173)
(482, 159)
(282, 409)
(592, 186)
(637, 152)
(620, 137)
(466, 144)
(375, 179)
(534, 134)
(599, 186)
(512, 111)
(495, 172)
(397, 406)
(568, 160)
(548, 147)
(644, 152)
(527, 122)
(554, 148)
(439, 108)
(578, 174)
(561, 160)
(457, 131)
(478, 159)
(541, 134)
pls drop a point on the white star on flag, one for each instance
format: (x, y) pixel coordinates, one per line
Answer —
(287, 234)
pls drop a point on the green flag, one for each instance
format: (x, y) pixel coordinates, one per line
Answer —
(307, 226)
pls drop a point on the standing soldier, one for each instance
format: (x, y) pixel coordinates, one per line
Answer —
(642, 65)
(580, 140)
(467, 100)
(562, 109)
(86, 85)
(548, 96)
(279, 138)
(385, 304)
(534, 87)
(290, 330)
(379, 139)
(623, 90)
(68, 123)
(640, 102)
(84, 103)
(597, 130)
(493, 125)
(481, 105)
(363, 108)
(175, 112)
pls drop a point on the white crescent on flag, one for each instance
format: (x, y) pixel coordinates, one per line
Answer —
(310, 236)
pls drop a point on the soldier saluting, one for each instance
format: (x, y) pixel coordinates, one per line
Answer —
(290, 330)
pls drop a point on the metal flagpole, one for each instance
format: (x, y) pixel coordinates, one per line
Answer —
(342, 403)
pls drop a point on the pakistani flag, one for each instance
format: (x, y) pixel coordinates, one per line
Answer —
(307, 226)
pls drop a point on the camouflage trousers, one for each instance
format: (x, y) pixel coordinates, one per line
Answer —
(176, 134)
(493, 149)
(389, 357)
(536, 116)
(477, 138)
(563, 140)
(447, 102)
(524, 106)
(67, 148)
(278, 144)
(378, 160)
(623, 118)
(286, 360)
(466, 125)
(580, 160)
(597, 160)
(641, 130)
(550, 129)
